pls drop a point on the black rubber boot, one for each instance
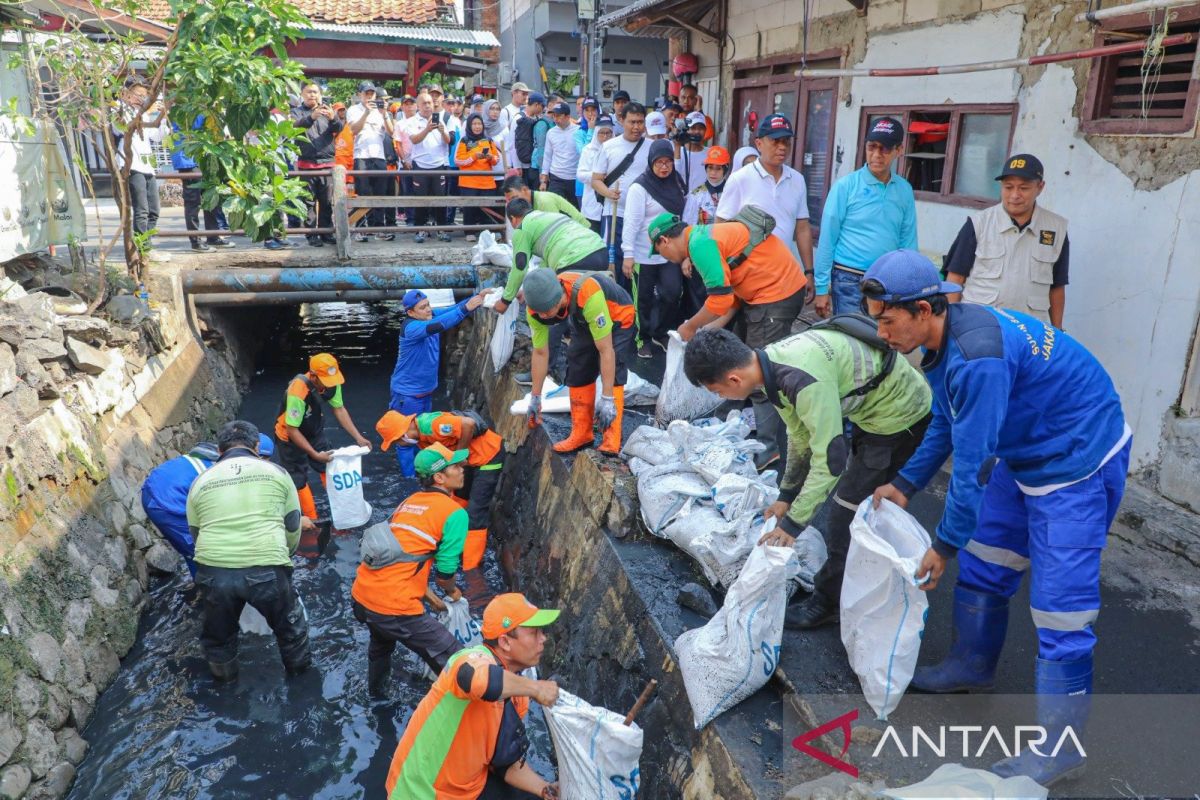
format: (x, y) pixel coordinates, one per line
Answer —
(379, 670)
(227, 671)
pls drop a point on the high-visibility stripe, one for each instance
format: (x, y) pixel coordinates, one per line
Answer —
(846, 504)
(1064, 620)
(998, 556)
(416, 532)
(488, 467)
(196, 463)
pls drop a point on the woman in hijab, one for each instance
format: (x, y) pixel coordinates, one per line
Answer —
(476, 157)
(660, 189)
(744, 156)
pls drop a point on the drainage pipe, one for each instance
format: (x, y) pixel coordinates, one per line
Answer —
(330, 279)
(1132, 8)
(296, 298)
(984, 66)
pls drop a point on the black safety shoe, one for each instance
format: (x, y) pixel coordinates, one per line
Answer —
(813, 612)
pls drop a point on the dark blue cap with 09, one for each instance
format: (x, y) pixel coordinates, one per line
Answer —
(907, 275)
(775, 126)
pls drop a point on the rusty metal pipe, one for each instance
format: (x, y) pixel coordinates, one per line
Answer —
(329, 279)
(296, 298)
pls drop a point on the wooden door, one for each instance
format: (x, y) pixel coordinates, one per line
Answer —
(813, 156)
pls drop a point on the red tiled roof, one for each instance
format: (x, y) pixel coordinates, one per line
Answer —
(344, 12)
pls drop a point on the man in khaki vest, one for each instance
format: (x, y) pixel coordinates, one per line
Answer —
(1015, 254)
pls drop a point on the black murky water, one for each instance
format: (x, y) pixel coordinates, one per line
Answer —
(165, 729)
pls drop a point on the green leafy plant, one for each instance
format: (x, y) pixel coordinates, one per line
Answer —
(561, 83)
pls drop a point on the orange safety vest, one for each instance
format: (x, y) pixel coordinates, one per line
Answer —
(343, 151)
(397, 589)
(446, 429)
(449, 758)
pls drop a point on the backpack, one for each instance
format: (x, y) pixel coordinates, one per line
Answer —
(864, 329)
(524, 139)
(759, 223)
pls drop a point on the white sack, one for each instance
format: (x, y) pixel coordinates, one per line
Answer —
(883, 611)
(677, 397)
(652, 445)
(597, 754)
(457, 619)
(811, 555)
(734, 655)
(504, 335)
(557, 399)
(495, 253)
(955, 780)
(343, 484)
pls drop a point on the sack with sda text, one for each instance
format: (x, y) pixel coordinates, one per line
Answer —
(597, 753)
(677, 397)
(883, 610)
(343, 484)
(735, 654)
(505, 335)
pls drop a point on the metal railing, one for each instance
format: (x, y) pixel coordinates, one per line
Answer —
(349, 210)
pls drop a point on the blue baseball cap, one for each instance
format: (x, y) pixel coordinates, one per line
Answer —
(775, 126)
(536, 97)
(907, 275)
(411, 298)
(266, 445)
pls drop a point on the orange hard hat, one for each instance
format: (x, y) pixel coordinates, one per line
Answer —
(717, 155)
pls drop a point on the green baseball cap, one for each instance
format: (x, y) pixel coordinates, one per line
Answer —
(435, 458)
(659, 227)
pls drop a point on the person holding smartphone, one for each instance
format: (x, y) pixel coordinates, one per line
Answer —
(476, 157)
(370, 125)
(431, 141)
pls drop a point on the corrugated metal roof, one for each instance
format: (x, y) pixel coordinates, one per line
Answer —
(621, 14)
(347, 12)
(413, 34)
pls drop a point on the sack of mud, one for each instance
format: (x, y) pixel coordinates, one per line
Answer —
(343, 484)
(955, 780)
(883, 610)
(652, 445)
(734, 655)
(504, 336)
(493, 252)
(462, 626)
(811, 555)
(597, 753)
(677, 397)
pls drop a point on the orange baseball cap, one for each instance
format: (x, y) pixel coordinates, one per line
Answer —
(339, 106)
(507, 612)
(325, 367)
(393, 426)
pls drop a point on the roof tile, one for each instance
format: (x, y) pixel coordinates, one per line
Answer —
(345, 12)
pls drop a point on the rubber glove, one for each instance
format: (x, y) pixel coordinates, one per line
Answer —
(534, 413)
(606, 412)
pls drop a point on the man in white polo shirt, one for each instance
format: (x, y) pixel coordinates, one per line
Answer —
(776, 188)
(619, 163)
(370, 124)
(430, 146)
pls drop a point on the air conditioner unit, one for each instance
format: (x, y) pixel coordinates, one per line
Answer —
(506, 73)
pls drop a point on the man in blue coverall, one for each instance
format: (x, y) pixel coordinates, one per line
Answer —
(1041, 450)
(869, 212)
(165, 491)
(415, 378)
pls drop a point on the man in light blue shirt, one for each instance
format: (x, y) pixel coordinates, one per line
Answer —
(868, 213)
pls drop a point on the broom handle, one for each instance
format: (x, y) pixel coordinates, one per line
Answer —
(643, 698)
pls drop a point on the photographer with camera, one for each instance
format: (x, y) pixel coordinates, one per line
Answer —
(476, 156)
(430, 141)
(370, 124)
(688, 136)
(321, 126)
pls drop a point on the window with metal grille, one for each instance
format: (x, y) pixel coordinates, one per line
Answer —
(1144, 93)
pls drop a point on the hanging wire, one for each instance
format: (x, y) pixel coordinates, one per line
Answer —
(804, 36)
(1153, 58)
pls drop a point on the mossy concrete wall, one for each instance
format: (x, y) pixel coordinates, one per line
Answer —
(74, 541)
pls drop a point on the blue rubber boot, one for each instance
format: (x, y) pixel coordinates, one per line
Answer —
(1064, 691)
(980, 624)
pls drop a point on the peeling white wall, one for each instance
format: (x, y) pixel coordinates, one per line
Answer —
(1135, 269)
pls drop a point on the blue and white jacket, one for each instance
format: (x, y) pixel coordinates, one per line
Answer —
(416, 372)
(1006, 385)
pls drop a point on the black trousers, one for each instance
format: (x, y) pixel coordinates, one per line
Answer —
(618, 251)
(760, 325)
(224, 592)
(473, 215)
(659, 292)
(421, 633)
(452, 190)
(874, 460)
(428, 186)
(564, 188)
(375, 186)
(482, 482)
(192, 195)
(583, 359)
(297, 462)
(319, 202)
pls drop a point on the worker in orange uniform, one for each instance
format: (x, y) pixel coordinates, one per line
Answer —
(343, 146)
(602, 322)
(467, 736)
(393, 578)
(300, 426)
(456, 431)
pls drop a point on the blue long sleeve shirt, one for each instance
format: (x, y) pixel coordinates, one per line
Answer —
(416, 372)
(1007, 386)
(863, 219)
(179, 161)
(168, 484)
